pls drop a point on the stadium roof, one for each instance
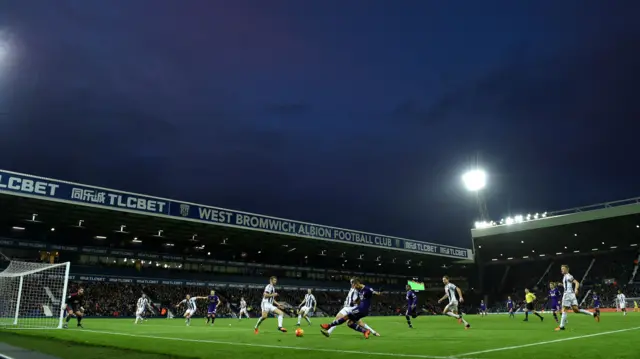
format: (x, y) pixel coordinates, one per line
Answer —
(97, 215)
(602, 227)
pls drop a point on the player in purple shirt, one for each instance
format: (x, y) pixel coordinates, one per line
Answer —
(596, 302)
(554, 300)
(510, 308)
(365, 294)
(483, 309)
(412, 304)
(213, 302)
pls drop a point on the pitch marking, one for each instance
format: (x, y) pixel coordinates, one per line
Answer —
(547, 342)
(273, 346)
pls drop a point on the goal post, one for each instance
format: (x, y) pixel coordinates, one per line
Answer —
(32, 295)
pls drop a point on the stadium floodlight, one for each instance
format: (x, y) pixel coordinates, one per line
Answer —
(475, 180)
(32, 295)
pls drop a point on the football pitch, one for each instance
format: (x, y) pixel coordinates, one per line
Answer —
(495, 336)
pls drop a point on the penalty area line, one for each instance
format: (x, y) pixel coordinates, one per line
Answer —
(420, 356)
(545, 342)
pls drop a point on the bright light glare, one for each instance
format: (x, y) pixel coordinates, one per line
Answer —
(475, 180)
(4, 48)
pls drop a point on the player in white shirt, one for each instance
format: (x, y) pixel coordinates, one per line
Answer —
(569, 297)
(190, 307)
(270, 305)
(451, 309)
(622, 302)
(350, 303)
(243, 309)
(308, 303)
(142, 305)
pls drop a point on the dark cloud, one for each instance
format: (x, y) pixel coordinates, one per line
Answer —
(302, 111)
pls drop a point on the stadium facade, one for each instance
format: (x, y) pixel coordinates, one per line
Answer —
(144, 239)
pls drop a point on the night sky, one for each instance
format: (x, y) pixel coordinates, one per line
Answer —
(359, 114)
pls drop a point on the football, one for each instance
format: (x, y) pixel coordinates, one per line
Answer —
(299, 332)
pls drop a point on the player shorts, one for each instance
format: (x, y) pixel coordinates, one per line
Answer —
(73, 308)
(244, 311)
(268, 307)
(346, 311)
(623, 305)
(569, 300)
(411, 312)
(452, 306)
(529, 306)
(140, 311)
(304, 310)
(190, 312)
(211, 311)
(357, 314)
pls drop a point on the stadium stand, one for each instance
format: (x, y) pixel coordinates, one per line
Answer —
(599, 243)
(121, 249)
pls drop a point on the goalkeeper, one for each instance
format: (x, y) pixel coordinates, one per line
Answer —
(75, 303)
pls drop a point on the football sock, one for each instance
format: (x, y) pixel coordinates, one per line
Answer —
(563, 319)
(260, 320)
(451, 314)
(408, 319)
(280, 321)
(338, 322)
(586, 312)
(366, 326)
(357, 328)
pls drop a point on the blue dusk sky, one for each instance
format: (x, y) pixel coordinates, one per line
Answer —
(353, 113)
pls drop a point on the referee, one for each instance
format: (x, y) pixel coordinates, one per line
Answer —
(529, 299)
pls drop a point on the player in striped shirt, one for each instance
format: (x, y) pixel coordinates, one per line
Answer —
(350, 303)
(190, 307)
(451, 309)
(622, 302)
(270, 305)
(308, 303)
(243, 309)
(569, 298)
(142, 304)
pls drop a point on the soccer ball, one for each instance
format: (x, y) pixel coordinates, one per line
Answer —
(299, 332)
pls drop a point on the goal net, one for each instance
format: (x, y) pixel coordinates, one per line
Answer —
(32, 295)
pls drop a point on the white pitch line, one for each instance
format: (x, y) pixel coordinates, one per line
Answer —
(273, 346)
(546, 342)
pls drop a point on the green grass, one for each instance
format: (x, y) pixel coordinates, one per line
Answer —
(490, 337)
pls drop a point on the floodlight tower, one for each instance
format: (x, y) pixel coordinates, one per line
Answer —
(475, 181)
